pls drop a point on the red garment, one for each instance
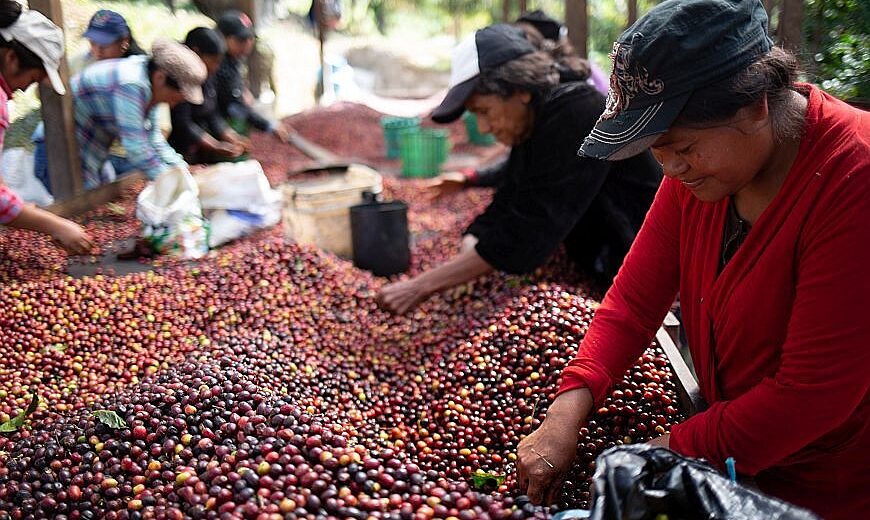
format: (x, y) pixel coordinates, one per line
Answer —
(781, 339)
(10, 203)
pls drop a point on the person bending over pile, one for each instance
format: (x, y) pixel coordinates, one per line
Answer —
(31, 48)
(763, 225)
(199, 132)
(235, 101)
(117, 99)
(546, 194)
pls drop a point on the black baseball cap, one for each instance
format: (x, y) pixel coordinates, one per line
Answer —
(549, 27)
(484, 50)
(236, 23)
(676, 48)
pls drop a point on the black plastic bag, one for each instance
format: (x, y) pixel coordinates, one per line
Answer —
(640, 482)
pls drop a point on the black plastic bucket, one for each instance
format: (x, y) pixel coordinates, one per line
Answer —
(379, 231)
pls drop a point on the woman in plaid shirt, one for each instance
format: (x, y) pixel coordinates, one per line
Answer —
(30, 50)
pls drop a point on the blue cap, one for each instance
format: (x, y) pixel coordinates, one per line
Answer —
(106, 27)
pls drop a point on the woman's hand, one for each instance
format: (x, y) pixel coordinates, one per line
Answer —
(237, 139)
(445, 184)
(399, 297)
(72, 237)
(545, 456)
(283, 134)
(661, 442)
(228, 150)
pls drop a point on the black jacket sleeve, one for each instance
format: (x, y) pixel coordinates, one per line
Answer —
(549, 190)
(230, 94)
(185, 131)
(490, 175)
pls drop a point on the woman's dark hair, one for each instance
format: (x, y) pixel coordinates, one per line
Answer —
(206, 41)
(10, 10)
(771, 75)
(134, 49)
(571, 66)
(170, 81)
(534, 73)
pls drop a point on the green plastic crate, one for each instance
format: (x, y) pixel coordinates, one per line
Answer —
(423, 151)
(392, 127)
(474, 135)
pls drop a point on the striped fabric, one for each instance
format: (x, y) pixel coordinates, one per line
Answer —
(10, 202)
(111, 103)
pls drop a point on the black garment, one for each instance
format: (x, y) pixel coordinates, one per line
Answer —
(733, 235)
(191, 122)
(547, 194)
(230, 96)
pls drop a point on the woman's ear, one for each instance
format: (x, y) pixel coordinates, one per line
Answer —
(9, 62)
(525, 97)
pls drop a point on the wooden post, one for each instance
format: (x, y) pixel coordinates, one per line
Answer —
(577, 21)
(256, 71)
(64, 163)
(632, 12)
(790, 20)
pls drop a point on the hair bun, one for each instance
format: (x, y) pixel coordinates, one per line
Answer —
(10, 10)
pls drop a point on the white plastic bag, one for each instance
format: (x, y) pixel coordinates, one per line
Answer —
(18, 175)
(171, 215)
(226, 225)
(239, 186)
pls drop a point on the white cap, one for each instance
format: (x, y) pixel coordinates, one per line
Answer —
(39, 35)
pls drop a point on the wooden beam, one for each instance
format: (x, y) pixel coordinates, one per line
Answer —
(791, 19)
(577, 22)
(632, 12)
(64, 163)
(688, 391)
(98, 196)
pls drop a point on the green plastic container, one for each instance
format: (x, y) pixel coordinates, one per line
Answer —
(474, 135)
(392, 127)
(423, 151)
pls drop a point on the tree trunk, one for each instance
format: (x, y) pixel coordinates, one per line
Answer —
(577, 21)
(790, 22)
(506, 11)
(632, 12)
(523, 6)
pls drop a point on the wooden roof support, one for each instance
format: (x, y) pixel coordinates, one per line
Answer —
(64, 163)
(577, 21)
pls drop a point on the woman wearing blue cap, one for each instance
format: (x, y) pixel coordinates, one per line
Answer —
(110, 37)
(763, 226)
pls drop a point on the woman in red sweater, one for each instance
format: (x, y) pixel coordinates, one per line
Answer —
(763, 226)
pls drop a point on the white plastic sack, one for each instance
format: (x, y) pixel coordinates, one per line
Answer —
(238, 186)
(171, 216)
(227, 225)
(18, 175)
(169, 198)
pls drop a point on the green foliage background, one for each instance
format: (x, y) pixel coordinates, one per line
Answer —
(837, 46)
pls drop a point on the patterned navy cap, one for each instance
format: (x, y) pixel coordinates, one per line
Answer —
(676, 48)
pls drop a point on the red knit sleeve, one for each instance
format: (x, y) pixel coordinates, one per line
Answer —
(823, 373)
(636, 304)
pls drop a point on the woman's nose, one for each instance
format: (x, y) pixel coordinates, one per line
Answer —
(672, 164)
